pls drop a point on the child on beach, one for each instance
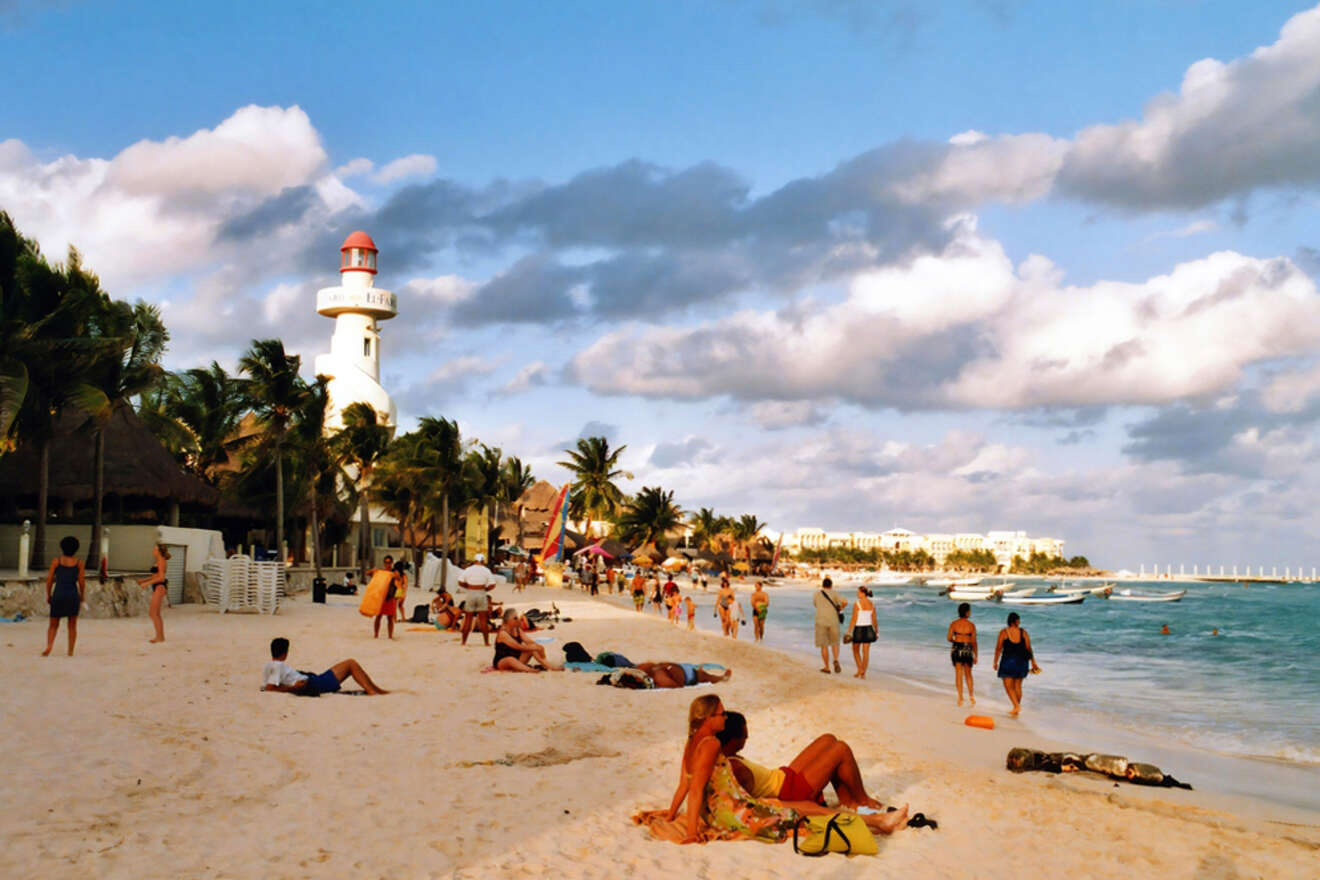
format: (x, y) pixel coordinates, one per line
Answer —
(279, 676)
(691, 612)
(66, 585)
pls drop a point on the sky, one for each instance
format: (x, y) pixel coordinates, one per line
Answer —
(951, 267)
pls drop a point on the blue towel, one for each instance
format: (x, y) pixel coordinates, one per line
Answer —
(17, 618)
(588, 667)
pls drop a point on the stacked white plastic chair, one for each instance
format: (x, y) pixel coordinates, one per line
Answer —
(239, 584)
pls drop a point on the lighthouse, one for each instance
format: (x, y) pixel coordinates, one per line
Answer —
(357, 305)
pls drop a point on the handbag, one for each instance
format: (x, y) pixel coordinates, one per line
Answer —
(844, 833)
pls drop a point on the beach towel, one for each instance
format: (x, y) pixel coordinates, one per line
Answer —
(587, 666)
(17, 618)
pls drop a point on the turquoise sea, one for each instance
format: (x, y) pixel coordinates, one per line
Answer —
(1242, 707)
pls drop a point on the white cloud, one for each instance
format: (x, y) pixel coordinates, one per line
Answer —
(1008, 168)
(281, 301)
(462, 368)
(354, 168)
(1231, 128)
(444, 290)
(531, 376)
(963, 329)
(407, 166)
(155, 209)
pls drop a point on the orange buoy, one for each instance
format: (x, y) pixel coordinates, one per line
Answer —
(984, 721)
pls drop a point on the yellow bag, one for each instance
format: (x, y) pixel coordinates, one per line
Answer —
(841, 833)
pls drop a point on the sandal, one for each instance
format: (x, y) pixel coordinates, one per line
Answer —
(920, 821)
(837, 667)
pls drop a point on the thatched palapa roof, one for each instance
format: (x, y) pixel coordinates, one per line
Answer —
(136, 465)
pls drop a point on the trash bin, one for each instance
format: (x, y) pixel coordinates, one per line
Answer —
(318, 590)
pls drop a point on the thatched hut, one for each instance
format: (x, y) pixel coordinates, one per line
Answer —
(143, 482)
(525, 524)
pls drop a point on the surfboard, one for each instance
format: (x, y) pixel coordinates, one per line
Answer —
(374, 595)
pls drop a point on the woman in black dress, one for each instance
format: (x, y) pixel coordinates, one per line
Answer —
(1012, 656)
(66, 584)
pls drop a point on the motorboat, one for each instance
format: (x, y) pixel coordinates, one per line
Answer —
(890, 579)
(1081, 589)
(954, 583)
(1064, 599)
(1130, 595)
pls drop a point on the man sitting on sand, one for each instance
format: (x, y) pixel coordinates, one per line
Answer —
(278, 675)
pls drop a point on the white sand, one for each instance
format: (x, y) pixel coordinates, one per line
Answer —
(137, 760)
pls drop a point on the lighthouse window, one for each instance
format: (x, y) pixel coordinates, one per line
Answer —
(358, 259)
(371, 260)
(366, 346)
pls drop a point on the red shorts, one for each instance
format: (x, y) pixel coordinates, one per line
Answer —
(796, 787)
(388, 607)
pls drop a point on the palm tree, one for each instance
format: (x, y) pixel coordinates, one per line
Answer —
(595, 468)
(275, 392)
(359, 445)
(47, 354)
(705, 526)
(745, 529)
(130, 368)
(649, 518)
(197, 414)
(315, 458)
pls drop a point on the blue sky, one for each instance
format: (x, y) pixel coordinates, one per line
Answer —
(955, 267)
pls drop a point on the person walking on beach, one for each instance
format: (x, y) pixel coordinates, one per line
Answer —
(1012, 655)
(760, 608)
(692, 613)
(962, 633)
(639, 591)
(862, 631)
(387, 605)
(159, 586)
(476, 581)
(828, 620)
(724, 604)
(66, 585)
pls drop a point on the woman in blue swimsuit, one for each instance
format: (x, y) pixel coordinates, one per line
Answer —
(1012, 656)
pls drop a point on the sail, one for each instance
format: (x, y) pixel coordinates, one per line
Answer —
(552, 548)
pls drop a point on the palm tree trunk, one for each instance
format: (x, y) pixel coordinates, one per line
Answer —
(444, 539)
(364, 533)
(316, 533)
(279, 503)
(98, 491)
(43, 493)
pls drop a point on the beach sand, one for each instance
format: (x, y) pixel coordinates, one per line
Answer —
(138, 760)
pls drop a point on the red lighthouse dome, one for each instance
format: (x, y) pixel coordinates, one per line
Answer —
(358, 253)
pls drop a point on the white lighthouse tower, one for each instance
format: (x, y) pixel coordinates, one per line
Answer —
(353, 364)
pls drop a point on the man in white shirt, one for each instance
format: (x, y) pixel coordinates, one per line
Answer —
(279, 676)
(474, 585)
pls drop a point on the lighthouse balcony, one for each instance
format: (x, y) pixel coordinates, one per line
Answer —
(379, 304)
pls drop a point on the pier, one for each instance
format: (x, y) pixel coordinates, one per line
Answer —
(1230, 574)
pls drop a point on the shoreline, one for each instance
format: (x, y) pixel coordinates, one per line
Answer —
(1210, 772)
(140, 760)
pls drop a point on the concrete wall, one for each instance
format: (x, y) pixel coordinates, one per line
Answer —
(130, 546)
(117, 597)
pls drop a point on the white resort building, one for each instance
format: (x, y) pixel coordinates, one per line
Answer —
(1004, 544)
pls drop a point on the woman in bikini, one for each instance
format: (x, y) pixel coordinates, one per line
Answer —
(446, 615)
(828, 760)
(158, 585)
(862, 630)
(716, 800)
(724, 603)
(1012, 655)
(962, 633)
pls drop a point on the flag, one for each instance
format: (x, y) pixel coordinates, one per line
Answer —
(553, 545)
(775, 560)
(475, 536)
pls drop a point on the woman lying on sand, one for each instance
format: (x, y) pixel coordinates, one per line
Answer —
(677, 675)
(827, 761)
(514, 652)
(718, 807)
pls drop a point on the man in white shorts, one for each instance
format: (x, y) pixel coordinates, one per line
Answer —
(474, 585)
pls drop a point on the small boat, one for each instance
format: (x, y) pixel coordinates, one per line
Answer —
(1081, 590)
(953, 583)
(1064, 599)
(1018, 594)
(972, 595)
(890, 579)
(1130, 595)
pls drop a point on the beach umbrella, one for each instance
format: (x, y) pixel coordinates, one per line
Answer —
(673, 563)
(740, 566)
(594, 550)
(512, 550)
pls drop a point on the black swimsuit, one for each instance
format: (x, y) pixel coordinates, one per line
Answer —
(502, 650)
